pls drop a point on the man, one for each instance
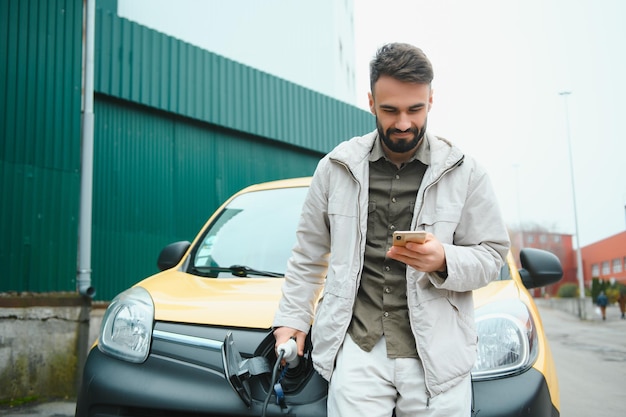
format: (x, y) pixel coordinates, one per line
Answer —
(602, 301)
(394, 328)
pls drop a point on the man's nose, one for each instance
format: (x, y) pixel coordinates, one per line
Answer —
(403, 123)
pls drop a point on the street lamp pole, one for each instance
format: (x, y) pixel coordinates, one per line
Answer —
(520, 233)
(579, 259)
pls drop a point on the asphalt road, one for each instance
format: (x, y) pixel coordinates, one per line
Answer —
(590, 358)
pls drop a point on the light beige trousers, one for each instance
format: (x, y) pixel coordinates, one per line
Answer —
(368, 384)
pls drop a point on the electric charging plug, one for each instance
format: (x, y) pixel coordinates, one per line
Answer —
(290, 352)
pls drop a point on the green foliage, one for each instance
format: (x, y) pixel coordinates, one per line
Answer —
(613, 294)
(597, 286)
(16, 402)
(612, 291)
(567, 290)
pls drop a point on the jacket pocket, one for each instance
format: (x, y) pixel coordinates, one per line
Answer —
(446, 339)
(343, 222)
(332, 316)
(340, 208)
(442, 222)
(448, 214)
(345, 241)
(342, 288)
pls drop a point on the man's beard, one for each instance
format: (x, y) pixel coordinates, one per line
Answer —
(402, 145)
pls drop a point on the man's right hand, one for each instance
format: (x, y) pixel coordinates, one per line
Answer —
(283, 334)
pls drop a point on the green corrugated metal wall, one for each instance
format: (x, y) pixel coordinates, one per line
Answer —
(157, 179)
(177, 130)
(40, 82)
(141, 65)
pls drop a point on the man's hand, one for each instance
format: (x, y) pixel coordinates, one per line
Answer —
(283, 334)
(427, 257)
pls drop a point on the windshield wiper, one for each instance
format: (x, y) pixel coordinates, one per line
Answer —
(238, 271)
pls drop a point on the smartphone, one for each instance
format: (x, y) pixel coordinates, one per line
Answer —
(401, 238)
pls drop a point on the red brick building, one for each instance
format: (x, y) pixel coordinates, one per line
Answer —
(606, 259)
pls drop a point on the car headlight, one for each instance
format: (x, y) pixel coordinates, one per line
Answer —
(507, 340)
(126, 328)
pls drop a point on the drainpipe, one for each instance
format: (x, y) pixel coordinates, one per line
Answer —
(83, 277)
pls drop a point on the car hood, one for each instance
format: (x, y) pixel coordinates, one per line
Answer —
(496, 291)
(237, 302)
(246, 302)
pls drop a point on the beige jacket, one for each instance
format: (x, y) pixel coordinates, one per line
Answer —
(455, 202)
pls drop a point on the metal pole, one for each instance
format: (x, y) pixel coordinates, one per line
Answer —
(83, 277)
(520, 232)
(582, 311)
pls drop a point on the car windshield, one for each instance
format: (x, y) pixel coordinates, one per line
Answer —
(252, 236)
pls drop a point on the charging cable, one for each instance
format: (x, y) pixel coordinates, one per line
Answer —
(289, 352)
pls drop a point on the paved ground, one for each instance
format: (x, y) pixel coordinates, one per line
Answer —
(590, 357)
(48, 409)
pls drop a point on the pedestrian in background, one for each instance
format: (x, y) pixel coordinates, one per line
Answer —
(394, 330)
(602, 301)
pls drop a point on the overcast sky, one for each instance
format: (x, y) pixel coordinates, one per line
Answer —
(499, 67)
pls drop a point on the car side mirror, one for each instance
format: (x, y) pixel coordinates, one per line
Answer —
(171, 255)
(539, 268)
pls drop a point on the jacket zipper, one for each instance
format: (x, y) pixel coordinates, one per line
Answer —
(455, 165)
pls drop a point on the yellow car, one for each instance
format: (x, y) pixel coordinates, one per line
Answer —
(195, 339)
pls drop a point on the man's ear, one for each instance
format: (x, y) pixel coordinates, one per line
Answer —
(370, 97)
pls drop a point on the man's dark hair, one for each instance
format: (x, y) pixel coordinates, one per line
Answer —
(403, 62)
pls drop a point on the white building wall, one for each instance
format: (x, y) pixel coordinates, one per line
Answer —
(307, 42)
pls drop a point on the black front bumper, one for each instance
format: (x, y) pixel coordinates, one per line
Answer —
(189, 382)
(159, 388)
(523, 395)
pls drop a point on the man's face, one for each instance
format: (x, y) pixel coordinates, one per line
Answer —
(401, 111)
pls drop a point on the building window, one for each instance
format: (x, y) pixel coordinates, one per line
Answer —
(530, 238)
(606, 268)
(595, 270)
(543, 238)
(556, 238)
(617, 265)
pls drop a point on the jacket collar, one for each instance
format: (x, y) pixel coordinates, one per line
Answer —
(355, 153)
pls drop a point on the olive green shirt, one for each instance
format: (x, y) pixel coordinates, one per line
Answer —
(381, 306)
